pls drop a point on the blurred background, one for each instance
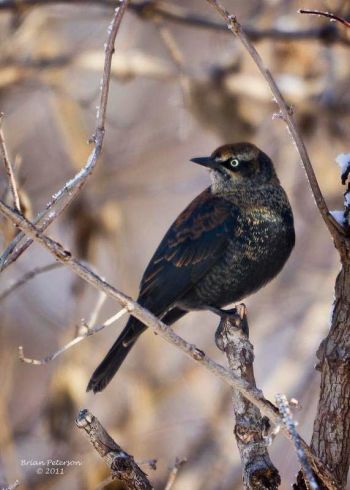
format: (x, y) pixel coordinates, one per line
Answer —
(178, 90)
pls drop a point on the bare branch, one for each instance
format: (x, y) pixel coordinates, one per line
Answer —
(325, 14)
(174, 472)
(70, 190)
(233, 25)
(122, 464)
(149, 9)
(97, 308)
(251, 393)
(9, 168)
(284, 409)
(27, 277)
(232, 337)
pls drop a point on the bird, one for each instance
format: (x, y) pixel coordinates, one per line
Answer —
(229, 242)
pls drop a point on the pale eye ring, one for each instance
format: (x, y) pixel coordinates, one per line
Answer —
(234, 162)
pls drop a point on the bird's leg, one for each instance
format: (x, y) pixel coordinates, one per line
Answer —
(221, 312)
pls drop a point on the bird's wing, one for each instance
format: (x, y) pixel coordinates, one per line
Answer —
(189, 249)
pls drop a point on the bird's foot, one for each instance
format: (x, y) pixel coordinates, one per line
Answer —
(237, 319)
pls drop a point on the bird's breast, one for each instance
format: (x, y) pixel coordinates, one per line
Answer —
(258, 246)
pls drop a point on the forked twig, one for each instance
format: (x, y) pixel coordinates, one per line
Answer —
(84, 331)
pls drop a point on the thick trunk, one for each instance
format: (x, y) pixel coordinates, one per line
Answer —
(331, 434)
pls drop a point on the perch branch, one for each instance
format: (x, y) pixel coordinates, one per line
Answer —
(251, 393)
(284, 409)
(70, 190)
(232, 337)
(233, 25)
(9, 168)
(122, 464)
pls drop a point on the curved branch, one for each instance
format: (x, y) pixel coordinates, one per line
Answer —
(329, 15)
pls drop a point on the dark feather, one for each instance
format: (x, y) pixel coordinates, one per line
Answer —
(194, 242)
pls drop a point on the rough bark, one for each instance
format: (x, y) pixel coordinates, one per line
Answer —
(250, 430)
(331, 435)
(122, 464)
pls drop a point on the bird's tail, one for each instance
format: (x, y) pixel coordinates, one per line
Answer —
(116, 355)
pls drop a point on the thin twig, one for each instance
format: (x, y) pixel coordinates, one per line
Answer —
(84, 331)
(233, 25)
(325, 14)
(174, 472)
(27, 277)
(122, 465)
(9, 168)
(252, 394)
(96, 310)
(283, 406)
(70, 190)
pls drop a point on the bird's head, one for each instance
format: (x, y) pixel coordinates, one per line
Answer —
(238, 164)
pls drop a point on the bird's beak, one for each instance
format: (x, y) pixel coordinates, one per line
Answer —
(205, 161)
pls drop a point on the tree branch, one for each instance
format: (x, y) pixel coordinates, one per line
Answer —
(329, 15)
(70, 190)
(122, 464)
(232, 337)
(251, 393)
(85, 330)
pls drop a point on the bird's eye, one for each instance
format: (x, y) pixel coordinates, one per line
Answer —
(233, 162)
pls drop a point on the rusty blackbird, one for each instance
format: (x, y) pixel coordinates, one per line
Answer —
(229, 242)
